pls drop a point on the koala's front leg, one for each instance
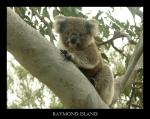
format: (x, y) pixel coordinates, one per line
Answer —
(66, 55)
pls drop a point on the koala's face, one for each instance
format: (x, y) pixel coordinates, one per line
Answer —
(75, 33)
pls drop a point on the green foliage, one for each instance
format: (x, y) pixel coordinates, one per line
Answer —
(104, 28)
(71, 11)
(120, 69)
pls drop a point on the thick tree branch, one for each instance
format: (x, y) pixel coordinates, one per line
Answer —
(44, 61)
(134, 60)
(122, 82)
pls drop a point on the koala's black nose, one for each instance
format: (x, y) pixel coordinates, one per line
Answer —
(73, 40)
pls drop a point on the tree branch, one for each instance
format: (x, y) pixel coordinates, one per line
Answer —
(118, 34)
(44, 61)
(135, 10)
(122, 82)
(120, 51)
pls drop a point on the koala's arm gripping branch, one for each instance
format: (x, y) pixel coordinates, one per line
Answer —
(44, 61)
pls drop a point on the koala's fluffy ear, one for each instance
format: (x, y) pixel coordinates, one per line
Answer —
(59, 23)
(92, 27)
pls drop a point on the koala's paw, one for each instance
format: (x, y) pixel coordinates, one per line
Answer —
(66, 55)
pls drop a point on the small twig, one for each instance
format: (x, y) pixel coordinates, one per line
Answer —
(120, 51)
(119, 34)
(116, 35)
(108, 41)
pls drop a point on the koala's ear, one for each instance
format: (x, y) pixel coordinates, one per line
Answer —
(92, 27)
(60, 23)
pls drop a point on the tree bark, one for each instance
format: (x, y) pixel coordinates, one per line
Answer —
(45, 62)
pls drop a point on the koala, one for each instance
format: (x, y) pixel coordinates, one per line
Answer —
(78, 44)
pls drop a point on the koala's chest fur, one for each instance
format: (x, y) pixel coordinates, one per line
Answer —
(88, 60)
(88, 56)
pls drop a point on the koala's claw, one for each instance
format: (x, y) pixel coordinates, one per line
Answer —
(66, 54)
(63, 52)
